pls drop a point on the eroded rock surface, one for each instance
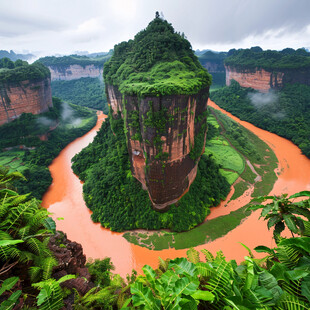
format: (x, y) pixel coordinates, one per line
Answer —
(161, 136)
(30, 96)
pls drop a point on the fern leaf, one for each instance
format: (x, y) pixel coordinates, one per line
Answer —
(291, 302)
(35, 273)
(193, 256)
(48, 265)
(208, 255)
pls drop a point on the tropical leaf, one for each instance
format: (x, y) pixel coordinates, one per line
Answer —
(208, 255)
(203, 295)
(142, 296)
(49, 224)
(300, 194)
(302, 243)
(193, 256)
(4, 243)
(291, 302)
(163, 264)
(182, 266)
(149, 274)
(8, 284)
(48, 265)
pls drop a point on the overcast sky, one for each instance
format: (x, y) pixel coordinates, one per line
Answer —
(46, 27)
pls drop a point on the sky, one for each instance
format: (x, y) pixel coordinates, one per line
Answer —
(48, 27)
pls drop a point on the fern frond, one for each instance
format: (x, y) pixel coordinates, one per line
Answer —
(48, 264)
(35, 273)
(208, 255)
(291, 302)
(193, 256)
(9, 253)
(25, 257)
(35, 246)
(162, 264)
(288, 256)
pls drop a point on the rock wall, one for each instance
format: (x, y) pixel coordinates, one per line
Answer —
(213, 66)
(260, 80)
(161, 133)
(30, 96)
(263, 80)
(74, 72)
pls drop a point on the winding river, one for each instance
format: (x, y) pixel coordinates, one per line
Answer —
(64, 199)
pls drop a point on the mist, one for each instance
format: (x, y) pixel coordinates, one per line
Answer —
(260, 100)
(42, 120)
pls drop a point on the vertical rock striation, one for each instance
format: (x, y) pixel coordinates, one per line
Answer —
(165, 138)
(28, 96)
(73, 72)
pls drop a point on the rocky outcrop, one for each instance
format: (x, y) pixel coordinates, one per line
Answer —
(71, 260)
(213, 66)
(29, 96)
(165, 138)
(74, 72)
(263, 80)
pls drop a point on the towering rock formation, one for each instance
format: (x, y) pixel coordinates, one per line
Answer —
(161, 93)
(165, 138)
(24, 90)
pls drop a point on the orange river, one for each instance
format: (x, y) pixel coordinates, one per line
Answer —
(64, 199)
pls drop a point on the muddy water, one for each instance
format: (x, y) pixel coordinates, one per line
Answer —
(64, 199)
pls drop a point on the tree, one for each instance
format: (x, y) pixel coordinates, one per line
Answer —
(282, 212)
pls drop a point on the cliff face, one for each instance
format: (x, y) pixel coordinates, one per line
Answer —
(30, 96)
(263, 80)
(163, 144)
(74, 72)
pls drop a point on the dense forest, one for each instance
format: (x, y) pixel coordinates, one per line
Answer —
(56, 128)
(269, 60)
(35, 272)
(20, 71)
(158, 61)
(87, 92)
(67, 61)
(286, 112)
(117, 199)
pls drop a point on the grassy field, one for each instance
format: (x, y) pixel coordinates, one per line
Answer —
(13, 159)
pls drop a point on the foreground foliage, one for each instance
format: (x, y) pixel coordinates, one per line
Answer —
(281, 280)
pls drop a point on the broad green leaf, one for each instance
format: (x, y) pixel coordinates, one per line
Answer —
(168, 279)
(203, 295)
(300, 194)
(278, 271)
(149, 274)
(66, 278)
(49, 224)
(297, 274)
(273, 220)
(266, 210)
(143, 296)
(14, 297)
(7, 305)
(264, 249)
(185, 286)
(182, 266)
(268, 281)
(290, 223)
(298, 242)
(8, 284)
(305, 287)
(10, 242)
(248, 249)
(262, 198)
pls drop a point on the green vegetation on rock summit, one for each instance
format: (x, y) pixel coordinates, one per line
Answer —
(159, 61)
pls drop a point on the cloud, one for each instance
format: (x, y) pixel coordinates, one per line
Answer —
(58, 26)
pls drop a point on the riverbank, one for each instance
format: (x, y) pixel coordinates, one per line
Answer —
(64, 199)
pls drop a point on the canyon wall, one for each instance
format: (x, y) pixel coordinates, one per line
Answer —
(165, 138)
(29, 96)
(74, 72)
(263, 80)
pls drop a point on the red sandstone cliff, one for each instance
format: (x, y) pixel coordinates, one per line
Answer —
(260, 79)
(30, 96)
(74, 72)
(160, 157)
